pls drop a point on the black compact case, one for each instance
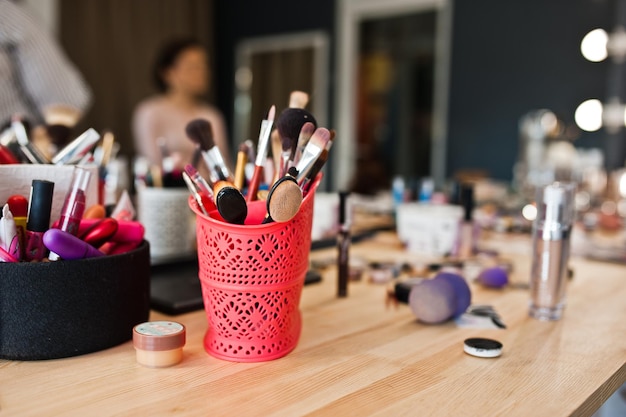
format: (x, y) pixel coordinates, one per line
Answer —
(51, 310)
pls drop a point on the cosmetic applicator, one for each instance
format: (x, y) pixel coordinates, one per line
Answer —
(313, 149)
(298, 99)
(284, 199)
(18, 204)
(289, 125)
(240, 168)
(230, 203)
(264, 135)
(318, 164)
(76, 149)
(303, 138)
(28, 149)
(201, 133)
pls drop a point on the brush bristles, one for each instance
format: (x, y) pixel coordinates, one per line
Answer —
(201, 133)
(290, 122)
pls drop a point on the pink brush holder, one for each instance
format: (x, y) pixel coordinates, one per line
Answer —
(252, 277)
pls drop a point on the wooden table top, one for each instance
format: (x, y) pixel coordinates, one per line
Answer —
(359, 356)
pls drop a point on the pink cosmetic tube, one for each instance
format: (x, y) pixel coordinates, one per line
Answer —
(6, 256)
(127, 230)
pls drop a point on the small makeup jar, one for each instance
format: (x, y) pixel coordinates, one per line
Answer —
(159, 344)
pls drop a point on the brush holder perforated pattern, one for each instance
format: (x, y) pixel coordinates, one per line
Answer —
(252, 277)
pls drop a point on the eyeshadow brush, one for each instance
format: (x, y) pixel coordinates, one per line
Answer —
(303, 138)
(312, 151)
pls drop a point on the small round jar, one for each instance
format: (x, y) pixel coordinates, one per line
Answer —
(159, 344)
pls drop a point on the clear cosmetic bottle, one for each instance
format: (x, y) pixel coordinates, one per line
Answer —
(551, 249)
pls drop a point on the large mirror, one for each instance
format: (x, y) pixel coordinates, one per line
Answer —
(391, 100)
(269, 68)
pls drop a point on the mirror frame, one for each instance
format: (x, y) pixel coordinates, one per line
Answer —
(350, 14)
(246, 48)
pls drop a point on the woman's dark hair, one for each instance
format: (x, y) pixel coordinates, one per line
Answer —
(167, 57)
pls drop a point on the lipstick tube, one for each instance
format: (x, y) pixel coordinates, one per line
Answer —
(38, 222)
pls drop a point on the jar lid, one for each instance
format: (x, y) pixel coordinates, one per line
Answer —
(483, 348)
(159, 335)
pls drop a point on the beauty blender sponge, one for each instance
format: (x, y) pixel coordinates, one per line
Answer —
(461, 290)
(433, 301)
(495, 277)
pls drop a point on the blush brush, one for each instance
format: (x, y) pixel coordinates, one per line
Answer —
(201, 133)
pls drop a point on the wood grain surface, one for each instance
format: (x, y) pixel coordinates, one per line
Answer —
(360, 356)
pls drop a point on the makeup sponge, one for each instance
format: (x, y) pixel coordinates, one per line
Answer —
(462, 292)
(433, 300)
(495, 277)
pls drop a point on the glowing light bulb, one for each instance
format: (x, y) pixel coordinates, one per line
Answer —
(593, 46)
(529, 212)
(588, 115)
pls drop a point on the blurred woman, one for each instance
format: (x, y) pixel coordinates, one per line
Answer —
(181, 74)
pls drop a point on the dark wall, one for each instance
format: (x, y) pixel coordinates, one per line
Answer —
(510, 57)
(241, 19)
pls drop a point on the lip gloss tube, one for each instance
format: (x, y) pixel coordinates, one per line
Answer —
(38, 222)
(74, 204)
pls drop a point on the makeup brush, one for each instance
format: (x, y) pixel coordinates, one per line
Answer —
(277, 150)
(28, 149)
(76, 149)
(194, 191)
(201, 133)
(264, 136)
(203, 187)
(317, 167)
(240, 168)
(303, 138)
(289, 125)
(298, 99)
(284, 199)
(230, 203)
(312, 151)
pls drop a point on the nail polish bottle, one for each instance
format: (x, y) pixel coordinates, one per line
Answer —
(38, 222)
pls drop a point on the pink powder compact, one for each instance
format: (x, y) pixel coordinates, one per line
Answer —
(159, 344)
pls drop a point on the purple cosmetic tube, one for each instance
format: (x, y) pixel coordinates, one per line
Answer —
(68, 246)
